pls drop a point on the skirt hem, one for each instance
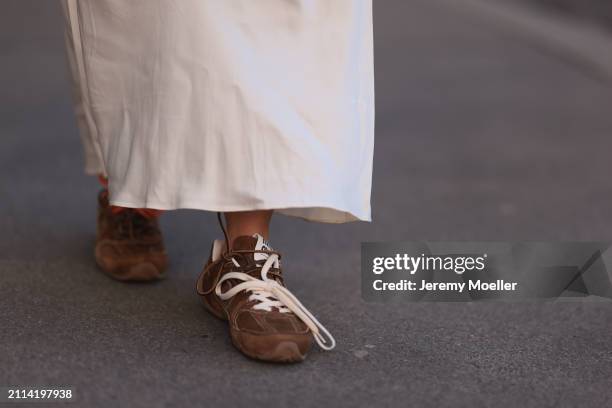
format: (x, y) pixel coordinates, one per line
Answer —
(319, 212)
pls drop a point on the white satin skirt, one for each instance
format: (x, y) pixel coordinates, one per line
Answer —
(227, 105)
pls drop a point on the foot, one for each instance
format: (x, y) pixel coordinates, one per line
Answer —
(245, 287)
(129, 244)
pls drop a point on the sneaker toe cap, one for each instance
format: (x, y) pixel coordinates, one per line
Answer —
(280, 348)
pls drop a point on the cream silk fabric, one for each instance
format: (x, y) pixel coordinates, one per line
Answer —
(228, 105)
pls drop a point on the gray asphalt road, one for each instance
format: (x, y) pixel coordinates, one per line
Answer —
(480, 136)
(596, 11)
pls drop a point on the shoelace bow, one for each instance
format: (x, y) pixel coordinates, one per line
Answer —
(269, 293)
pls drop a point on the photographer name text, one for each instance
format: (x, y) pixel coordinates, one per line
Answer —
(455, 264)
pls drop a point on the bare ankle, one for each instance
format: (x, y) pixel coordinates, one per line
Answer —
(242, 223)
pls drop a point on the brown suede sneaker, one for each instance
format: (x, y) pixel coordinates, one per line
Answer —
(245, 287)
(129, 244)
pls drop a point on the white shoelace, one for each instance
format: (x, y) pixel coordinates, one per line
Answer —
(270, 293)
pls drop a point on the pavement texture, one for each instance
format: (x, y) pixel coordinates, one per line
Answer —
(596, 11)
(481, 135)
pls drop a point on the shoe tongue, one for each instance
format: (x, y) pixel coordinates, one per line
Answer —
(245, 243)
(254, 242)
